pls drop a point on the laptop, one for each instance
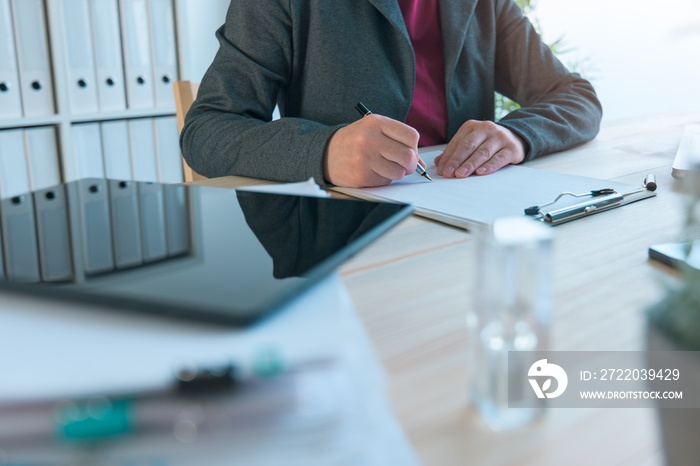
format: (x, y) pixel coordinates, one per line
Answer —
(192, 252)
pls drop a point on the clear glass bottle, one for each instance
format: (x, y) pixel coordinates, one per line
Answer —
(691, 229)
(511, 311)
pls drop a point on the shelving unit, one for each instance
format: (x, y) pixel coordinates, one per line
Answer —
(193, 27)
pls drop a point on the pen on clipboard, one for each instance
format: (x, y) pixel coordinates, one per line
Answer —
(599, 200)
(364, 111)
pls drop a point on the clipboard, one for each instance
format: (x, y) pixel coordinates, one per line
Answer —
(588, 203)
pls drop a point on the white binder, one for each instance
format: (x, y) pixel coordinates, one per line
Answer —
(16, 210)
(14, 173)
(82, 89)
(10, 100)
(164, 53)
(42, 156)
(53, 234)
(152, 209)
(138, 72)
(168, 144)
(88, 151)
(95, 224)
(126, 223)
(108, 55)
(177, 225)
(143, 150)
(36, 83)
(19, 238)
(115, 150)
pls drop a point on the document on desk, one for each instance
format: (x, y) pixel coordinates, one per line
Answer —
(301, 188)
(338, 412)
(479, 200)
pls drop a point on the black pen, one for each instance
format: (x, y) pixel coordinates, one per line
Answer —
(364, 111)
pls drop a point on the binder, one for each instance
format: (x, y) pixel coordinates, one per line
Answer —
(42, 156)
(10, 100)
(95, 228)
(16, 210)
(53, 234)
(151, 207)
(143, 150)
(19, 238)
(177, 225)
(162, 22)
(109, 68)
(115, 149)
(14, 174)
(82, 89)
(168, 145)
(138, 72)
(88, 151)
(126, 223)
(36, 83)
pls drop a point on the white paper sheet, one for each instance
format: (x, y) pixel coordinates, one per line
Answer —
(302, 188)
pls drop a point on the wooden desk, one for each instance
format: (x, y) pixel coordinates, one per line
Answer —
(413, 303)
(412, 288)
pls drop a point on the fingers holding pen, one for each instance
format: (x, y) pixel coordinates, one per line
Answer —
(401, 145)
(372, 151)
(396, 131)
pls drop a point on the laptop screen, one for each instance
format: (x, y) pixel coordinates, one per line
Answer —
(204, 253)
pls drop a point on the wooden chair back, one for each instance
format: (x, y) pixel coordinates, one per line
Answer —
(185, 93)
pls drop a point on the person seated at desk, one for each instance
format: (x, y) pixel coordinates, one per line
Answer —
(427, 68)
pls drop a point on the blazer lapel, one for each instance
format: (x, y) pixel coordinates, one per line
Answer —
(454, 19)
(391, 11)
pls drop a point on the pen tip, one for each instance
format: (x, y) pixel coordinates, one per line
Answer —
(427, 176)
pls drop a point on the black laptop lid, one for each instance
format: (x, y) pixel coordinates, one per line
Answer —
(203, 253)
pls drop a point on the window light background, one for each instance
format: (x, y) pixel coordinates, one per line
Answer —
(643, 56)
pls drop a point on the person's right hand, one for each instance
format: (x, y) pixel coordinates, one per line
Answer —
(372, 151)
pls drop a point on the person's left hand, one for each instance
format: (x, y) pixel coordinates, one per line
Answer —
(480, 147)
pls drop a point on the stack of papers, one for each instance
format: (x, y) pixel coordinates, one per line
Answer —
(336, 414)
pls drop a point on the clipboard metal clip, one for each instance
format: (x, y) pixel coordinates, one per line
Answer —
(599, 199)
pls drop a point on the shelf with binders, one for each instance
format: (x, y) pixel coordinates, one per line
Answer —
(78, 57)
(26, 78)
(91, 228)
(58, 119)
(114, 55)
(68, 62)
(28, 160)
(139, 149)
(31, 121)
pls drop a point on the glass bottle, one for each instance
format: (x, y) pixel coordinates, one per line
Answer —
(511, 311)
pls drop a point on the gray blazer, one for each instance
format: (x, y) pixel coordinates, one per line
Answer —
(317, 58)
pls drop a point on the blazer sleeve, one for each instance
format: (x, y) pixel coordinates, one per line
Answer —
(229, 128)
(559, 109)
